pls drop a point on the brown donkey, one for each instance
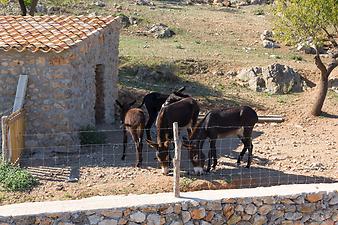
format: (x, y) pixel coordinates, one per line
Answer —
(185, 113)
(133, 120)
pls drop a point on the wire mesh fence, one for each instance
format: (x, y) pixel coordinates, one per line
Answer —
(275, 164)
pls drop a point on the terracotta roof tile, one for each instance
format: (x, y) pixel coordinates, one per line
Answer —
(47, 33)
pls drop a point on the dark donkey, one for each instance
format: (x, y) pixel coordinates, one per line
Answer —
(153, 102)
(185, 113)
(238, 121)
(133, 120)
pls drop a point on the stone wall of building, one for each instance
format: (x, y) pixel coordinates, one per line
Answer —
(308, 208)
(61, 89)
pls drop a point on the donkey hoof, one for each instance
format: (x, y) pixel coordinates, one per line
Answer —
(238, 164)
(123, 158)
(138, 165)
(247, 166)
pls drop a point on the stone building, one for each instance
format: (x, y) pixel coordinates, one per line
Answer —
(71, 63)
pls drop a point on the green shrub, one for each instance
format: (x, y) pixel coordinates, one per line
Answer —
(89, 135)
(296, 58)
(259, 12)
(14, 178)
(179, 46)
(28, 2)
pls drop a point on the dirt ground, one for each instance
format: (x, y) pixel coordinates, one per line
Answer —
(303, 149)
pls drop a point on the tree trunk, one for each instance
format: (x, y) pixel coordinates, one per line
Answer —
(324, 82)
(33, 7)
(23, 8)
(321, 95)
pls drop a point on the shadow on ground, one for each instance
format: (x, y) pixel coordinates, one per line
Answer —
(138, 80)
(328, 115)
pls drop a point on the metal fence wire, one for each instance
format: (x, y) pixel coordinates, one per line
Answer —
(274, 165)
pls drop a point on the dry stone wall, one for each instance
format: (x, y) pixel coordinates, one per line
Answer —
(314, 208)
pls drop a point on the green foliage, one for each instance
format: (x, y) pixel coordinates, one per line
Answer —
(63, 2)
(14, 178)
(259, 12)
(27, 2)
(179, 46)
(296, 57)
(297, 20)
(185, 183)
(89, 135)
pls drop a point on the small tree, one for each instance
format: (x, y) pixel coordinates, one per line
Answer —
(300, 20)
(23, 6)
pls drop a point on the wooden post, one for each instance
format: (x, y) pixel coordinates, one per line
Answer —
(177, 161)
(270, 119)
(4, 129)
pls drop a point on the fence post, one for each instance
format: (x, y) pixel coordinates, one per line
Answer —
(177, 161)
(4, 129)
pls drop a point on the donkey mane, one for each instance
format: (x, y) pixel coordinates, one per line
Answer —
(198, 133)
(159, 125)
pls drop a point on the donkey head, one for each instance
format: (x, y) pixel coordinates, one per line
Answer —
(196, 156)
(175, 97)
(124, 109)
(162, 154)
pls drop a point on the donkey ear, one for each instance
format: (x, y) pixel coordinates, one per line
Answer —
(132, 103)
(152, 144)
(118, 103)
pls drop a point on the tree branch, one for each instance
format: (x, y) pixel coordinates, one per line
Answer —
(319, 63)
(33, 7)
(331, 38)
(334, 55)
(331, 67)
(23, 8)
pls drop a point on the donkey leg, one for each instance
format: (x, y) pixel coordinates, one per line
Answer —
(213, 153)
(248, 144)
(209, 160)
(150, 122)
(138, 149)
(240, 156)
(210, 154)
(189, 131)
(250, 155)
(125, 139)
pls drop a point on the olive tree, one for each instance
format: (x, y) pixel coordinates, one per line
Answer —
(316, 20)
(25, 3)
(23, 6)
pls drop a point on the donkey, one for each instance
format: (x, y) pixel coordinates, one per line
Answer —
(185, 113)
(153, 102)
(238, 121)
(133, 120)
